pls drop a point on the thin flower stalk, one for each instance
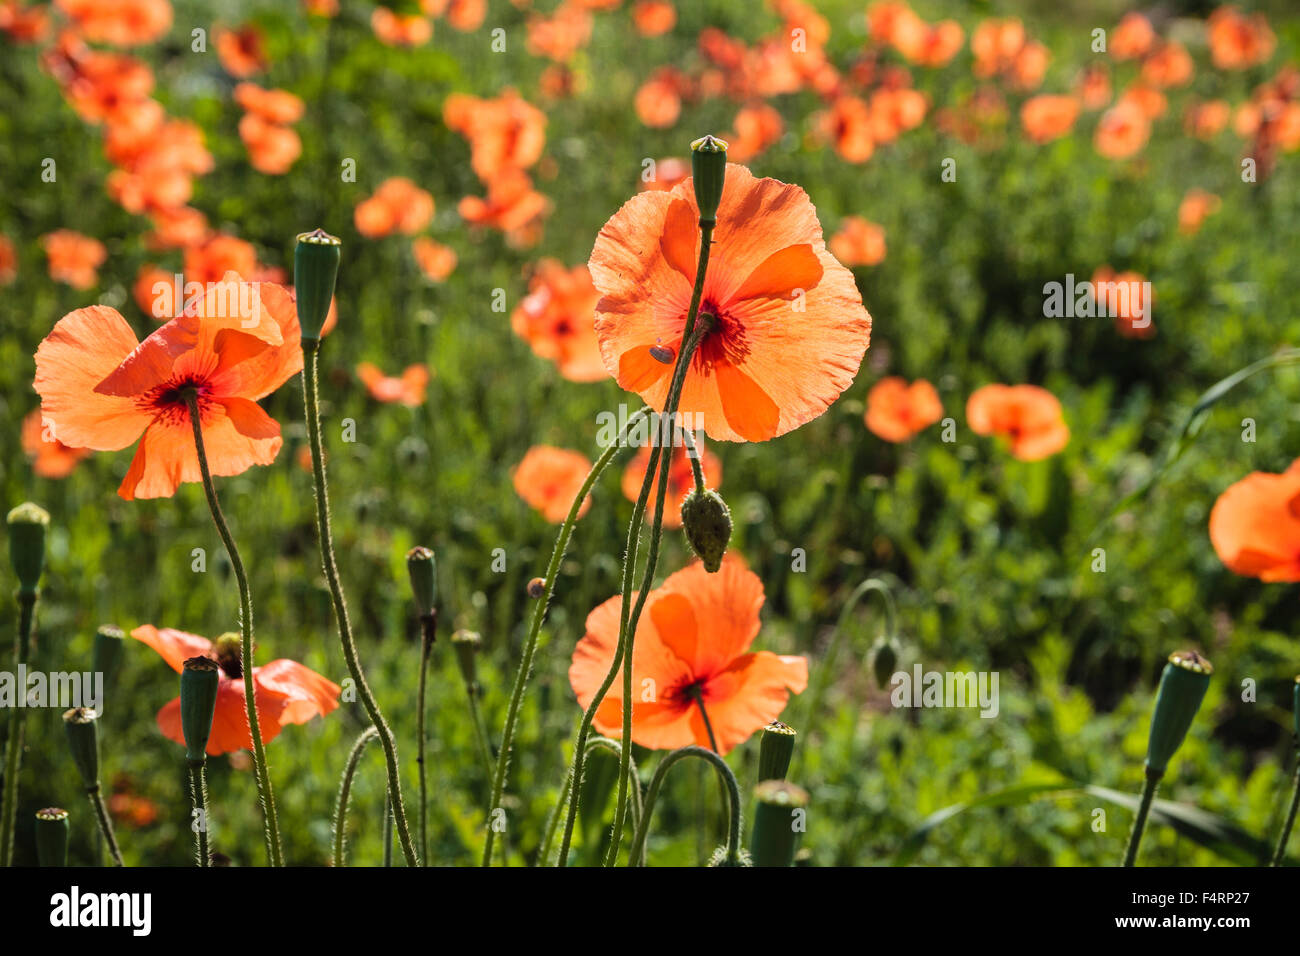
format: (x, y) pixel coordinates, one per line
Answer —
(731, 792)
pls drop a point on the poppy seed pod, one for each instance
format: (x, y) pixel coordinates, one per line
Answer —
(1182, 688)
(778, 821)
(107, 653)
(708, 171)
(52, 837)
(775, 750)
(200, 681)
(707, 523)
(316, 260)
(467, 644)
(83, 740)
(423, 568)
(28, 524)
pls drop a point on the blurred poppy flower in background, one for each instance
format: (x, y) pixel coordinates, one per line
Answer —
(50, 457)
(1027, 416)
(858, 242)
(505, 133)
(8, 261)
(667, 174)
(1123, 296)
(285, 691)
(119, 22)
(1197, 204)
(409, 388)
(692, 645)
(1238, 41)
(74, 258)
(1132, 38)
(101, 389)
(681, 479)
(549, 478)
(654, 18)
(242, 51)
(435, 260)
(789, 329)
(557, 320)
(1047, 117)
(1122, 131)
(400, 29)
(1255, 525)
(398, 205)
(219, 254)
(897, 411)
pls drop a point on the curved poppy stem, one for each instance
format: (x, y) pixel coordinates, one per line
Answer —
(199, 792)
(730, 790)
(311, 352)
(697, 467)
(1279, 854)
(265, 795)
(879, 586)
(17, 720)
(698, 695)
(345, 793)
(544, 854)
(535, 627)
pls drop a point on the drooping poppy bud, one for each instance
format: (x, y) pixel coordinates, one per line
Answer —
(316, 260)
(1182, 688)
(199, 683)
(775, 750)
(52, 837)
(467, 644)
(28, 524)
(884, 658)
(107, 655)
(707, 523)
(778, 821)
(422, 566)
(83, 740)
(708, 171)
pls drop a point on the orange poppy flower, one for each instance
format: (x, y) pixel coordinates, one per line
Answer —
(50, 457)
(927, 44)
(285, 692)
(8, 261)
(667, 174)
(790, 329)
(549, 478)
(561, 35)
(559, 82)
(102, 389)
(512, 205)
(398, 205)
(142, 290)
(692, 645)
(897, 411)
(505, 133)
(1124, 297)
(409, 388)
(848, 124)
(274, 106)
(757, 128)
(858, 242)
(435, 260)
(74, 258)
(119, 22)
(1122, 131)
(1030, 66)
(1046, 118)
(24, 24)
(129, 808)
(894, 111)
(1255, 525)
(242, 51)
(1169, 66)
(658, 102)
(1238, 41)
(1029, 417)
(1206, 120)
(177, 228)
(557, 320)
(654, 18)
(1151, 102)
(1133, 38)
(218, 255)
(272, 149)
(466, 15)
(886, 19)
(400, 29)
(681, 479)
(321, 8)
(995, 45)
(1093, 87)
(1197, 204)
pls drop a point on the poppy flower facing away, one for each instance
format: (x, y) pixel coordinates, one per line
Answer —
(692, 645)
(549, 478)
(101, 389)
(286, 692)
(1029, 417)
(681, 479)
(1255, 525)
(788, 326)
(896, 411)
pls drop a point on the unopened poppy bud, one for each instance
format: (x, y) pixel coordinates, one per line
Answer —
(316, 260)
(27, 526)
(708, 171)
(884, 658)
(779, 809)
(1182, 688)
(52, 837)
(536, 588)
(467, 645)
(107, 654)
(775, 750)
(199, 683)
(83, 741)
(423, 568)
(707, 523)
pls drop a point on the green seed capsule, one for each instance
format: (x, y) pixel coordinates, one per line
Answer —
(28, 524)
(200, 680)
(467, 645)
(83, 740)
(778, 821)
(708, 172)
(316, 260)
(422, 566)
(52, 837)
(1182, 688)
(775, 749)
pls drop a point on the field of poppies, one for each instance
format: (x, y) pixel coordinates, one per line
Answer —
(907, 391)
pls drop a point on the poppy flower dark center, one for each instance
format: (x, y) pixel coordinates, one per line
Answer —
(170, 400)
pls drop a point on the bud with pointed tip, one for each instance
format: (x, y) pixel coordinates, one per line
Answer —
(83, 740)
(466, 645)
(708, 173)
(1182, 688)
(884, 658)
(707, 523)
(775, 750)
(28, 524)
(52, 837)
(776, 837)
(422, 566)
(316, 260)
(200, 681)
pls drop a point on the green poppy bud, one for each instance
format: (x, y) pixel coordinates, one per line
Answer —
(1182, 688)
(106, 655)
(200, 680)
(775, 749)
(83, 740)
(28, 524)
(316, 260)
(778, 821)
(423, 568)
(52, 837)
(707, 523)
(708, 172)
(467, 645)
(884, 658)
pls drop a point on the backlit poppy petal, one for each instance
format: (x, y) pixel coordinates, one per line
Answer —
(1255, 525)
(175, 647)
(751, 693)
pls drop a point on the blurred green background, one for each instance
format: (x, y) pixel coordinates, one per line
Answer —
(992, 555)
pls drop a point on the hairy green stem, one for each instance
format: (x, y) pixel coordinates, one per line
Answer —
(105, 824)
(271, 828)
(199, 793)
(535, 628)
(429, 631)
(17, 720)
(310, 374)
(822, 677)
(730, 790)
(1139, 824)
(1279, 854)
(544, 854)
(345, 793)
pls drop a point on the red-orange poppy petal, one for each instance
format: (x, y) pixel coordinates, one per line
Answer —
(1255, 526)
(726, 605)
(83, 348)
(750, 411)
(307, 693)
(750, 694)
(173, 646)
(782, 273)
